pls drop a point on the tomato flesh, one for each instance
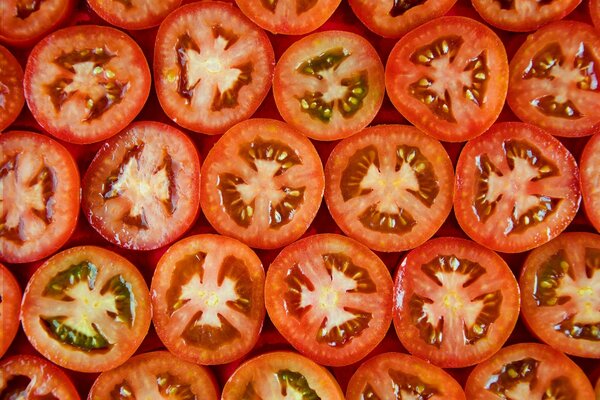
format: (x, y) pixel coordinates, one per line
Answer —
(11, 88)
(134, 14)
(590, 180)
(10, 306)
(595, 12)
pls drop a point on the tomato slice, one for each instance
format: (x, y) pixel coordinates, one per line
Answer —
(10, 307)
(262, 183)
(528, 371)
(141, 191)
(389, 187)
(83, 84)
(554, 79)
(449, 78)
(86, 309)
(11, 88)
(212, 66)
(329, 85)
(590, 180)
(517, 187)
(281, 375)
(134, 14)
(207, 298)
(39, 196)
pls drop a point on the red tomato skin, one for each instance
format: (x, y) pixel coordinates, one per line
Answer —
(10, 293)
(590, 175)
(114, 18)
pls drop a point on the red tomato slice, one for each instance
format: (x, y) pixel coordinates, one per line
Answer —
(86, 309)
(262, 183)
(457, 302)
(517, 187)
(10, 307)
(39, 197)
(590, 180)
(134, 14)
(528, 371)
(141, 191)
(207, 298)
(11, 88)
(330, 297)
(329, 85)
(212, 66)
(389, 187)
(83, 84)
(554, 79)
(449, 78)
(595, 13)
(281, 375)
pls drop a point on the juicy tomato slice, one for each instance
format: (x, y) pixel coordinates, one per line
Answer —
(141, 191)
(389, 187)
(555, 79)
(86, 309)
(330, 297)
(590, 180)
(134, 14)
(207, 298)
(39, 199)
(281, 375)
(449, 78)
(212, 66)
(10, 306)
(528, 371)
(517, 187)
(84, 84)
(329, 85)
(11, 88)
(459, 302)
(262, 183)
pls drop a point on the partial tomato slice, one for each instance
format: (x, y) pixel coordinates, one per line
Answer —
(10, 307)
(262, 183)
(212, 66)
(134, 14)
(517, 187)
(279, 376)
(141, 190)
(555, 79)
(389, 187)
(590, 180)
(528, 371)
(459, 302)
(39, 196)
(11, 88)
(449, 78)
(329, 85)
(86, 309)
(83, 84)
(330, 297)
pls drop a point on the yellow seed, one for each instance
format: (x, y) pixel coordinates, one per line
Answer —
(304, 104)
(423, 59)
(480, 76)
(110, 74)
(249, 211)
(353, 100)
(545, 169)
(358, 90)
(512, 373)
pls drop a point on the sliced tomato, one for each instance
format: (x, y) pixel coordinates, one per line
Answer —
(11, 88)
(84, 84)
(590, 180)
(262, 183)
(10, 307)
(329, 85)
(555, 79)
(281, 375)
(517, 187)
(528, 371)
(134, 14)
(449, 78)
(39, 196)
(141, 191)
(212, 66)
(595, 14)
(86, 309)
(389, 187)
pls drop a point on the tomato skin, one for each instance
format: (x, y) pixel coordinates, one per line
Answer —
(11, 80)
(10, 306)
(117, 13)
(590, 180)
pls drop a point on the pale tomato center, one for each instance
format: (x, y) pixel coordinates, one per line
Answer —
(584, 297)
(390, 185)
(448, 76)
(210, 297)
(262, 183)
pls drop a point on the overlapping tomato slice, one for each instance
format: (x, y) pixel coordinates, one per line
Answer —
(10, 307)
(134, 14)
(11, 88)
(590, 180)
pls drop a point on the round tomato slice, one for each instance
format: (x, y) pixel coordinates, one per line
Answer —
(262, 183)
(83, 84)
(330, 297)
(134, 14)
(281, 375)
(207, 298)
(528, 371)
(39, 196)
(590, 180)
(212, 66)
(141, 191)
(449, 78)
(10, 306)
(389, 187)
(459, 302)
(329, 85)
(11, 88)
(86, 309)
(517, 188)
(554, 79)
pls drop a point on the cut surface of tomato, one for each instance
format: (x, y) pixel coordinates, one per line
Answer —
(39, 196)
(590, 180)
(449, 78)
(11, 88)
(390, 187)
(212, 66)
(134, 14)
(141, 191)
(86, 309)
(555, 79)
(517, 187)
(83, 84)
(10, 306)
(329, 85)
